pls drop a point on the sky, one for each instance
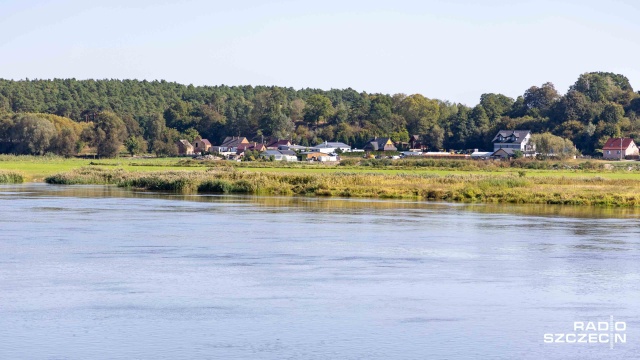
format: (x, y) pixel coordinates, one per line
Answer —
(453, 50)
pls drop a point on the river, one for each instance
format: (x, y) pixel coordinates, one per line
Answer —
(98, 272)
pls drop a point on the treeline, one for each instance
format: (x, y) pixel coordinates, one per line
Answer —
(154, 114)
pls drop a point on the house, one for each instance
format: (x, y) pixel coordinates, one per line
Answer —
(275, 145)
(619, 148)
(312, 155)
(250, 146)
(280, 155)
(201, 145)
(293, 147)
(289, 153)
(328, 158)
(331, 147)
(512, 140)
(481, 154)
(184, 147)
(502, 153)
(380, 144)
(411, 153)
(230, 144)
(415, 143)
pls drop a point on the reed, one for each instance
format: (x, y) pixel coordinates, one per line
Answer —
(11, 177)
(491, 188)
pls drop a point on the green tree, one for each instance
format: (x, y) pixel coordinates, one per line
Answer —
(32, 135)
(135, 145)
(434, 137)
(296, 109)
(281, 127)
(538, 100)
(612, 113)
(549, 145)
(317, 109)
(420, 113)
(496, 105)
(155, 127)
(164, 148)
(66, 143)
(573, 106)
(190, 135)
(110, 131)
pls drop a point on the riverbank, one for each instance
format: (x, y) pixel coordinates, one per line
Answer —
(37, 168)
(491, 188)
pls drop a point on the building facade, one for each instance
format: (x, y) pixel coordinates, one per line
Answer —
(619, 148)
(514, 140)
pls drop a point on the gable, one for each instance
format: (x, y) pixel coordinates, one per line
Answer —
(619, 143)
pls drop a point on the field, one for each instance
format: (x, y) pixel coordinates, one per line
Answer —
(37, 168)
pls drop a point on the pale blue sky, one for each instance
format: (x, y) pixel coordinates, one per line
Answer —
(451, 50)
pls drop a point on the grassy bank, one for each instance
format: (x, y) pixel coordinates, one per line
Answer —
(493, 188)
(10, 177)
(36, 168)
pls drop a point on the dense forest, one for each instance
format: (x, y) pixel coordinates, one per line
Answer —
(64, 115)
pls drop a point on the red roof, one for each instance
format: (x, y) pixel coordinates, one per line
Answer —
(614, 144)
(277, 143)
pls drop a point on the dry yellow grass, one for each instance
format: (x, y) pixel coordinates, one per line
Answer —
(466, 188)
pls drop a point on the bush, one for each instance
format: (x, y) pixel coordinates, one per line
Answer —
(10, 177)
(215, 186)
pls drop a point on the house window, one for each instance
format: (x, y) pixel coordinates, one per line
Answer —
(608, 152)
(618, 151)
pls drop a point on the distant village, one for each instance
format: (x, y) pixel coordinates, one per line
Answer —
(507, 144)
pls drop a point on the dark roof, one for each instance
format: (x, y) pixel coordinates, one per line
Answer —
(279, 152)
(508, 152)
(233, 141)
(615, 144)
(506, 134)
(377, 144)
(250, 146)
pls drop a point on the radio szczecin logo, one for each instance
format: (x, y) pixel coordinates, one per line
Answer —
(591, 332)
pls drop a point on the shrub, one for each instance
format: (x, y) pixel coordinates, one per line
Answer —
(10, 177)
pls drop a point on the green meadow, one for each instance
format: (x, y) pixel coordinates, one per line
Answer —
(37, 168)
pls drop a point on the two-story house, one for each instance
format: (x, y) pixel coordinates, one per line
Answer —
(510, 141)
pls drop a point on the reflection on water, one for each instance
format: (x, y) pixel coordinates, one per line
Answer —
(320, 203)
(93, 272)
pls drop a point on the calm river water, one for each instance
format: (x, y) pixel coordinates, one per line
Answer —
(91, 272)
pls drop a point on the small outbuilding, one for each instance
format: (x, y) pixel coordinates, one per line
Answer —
(184, 147)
